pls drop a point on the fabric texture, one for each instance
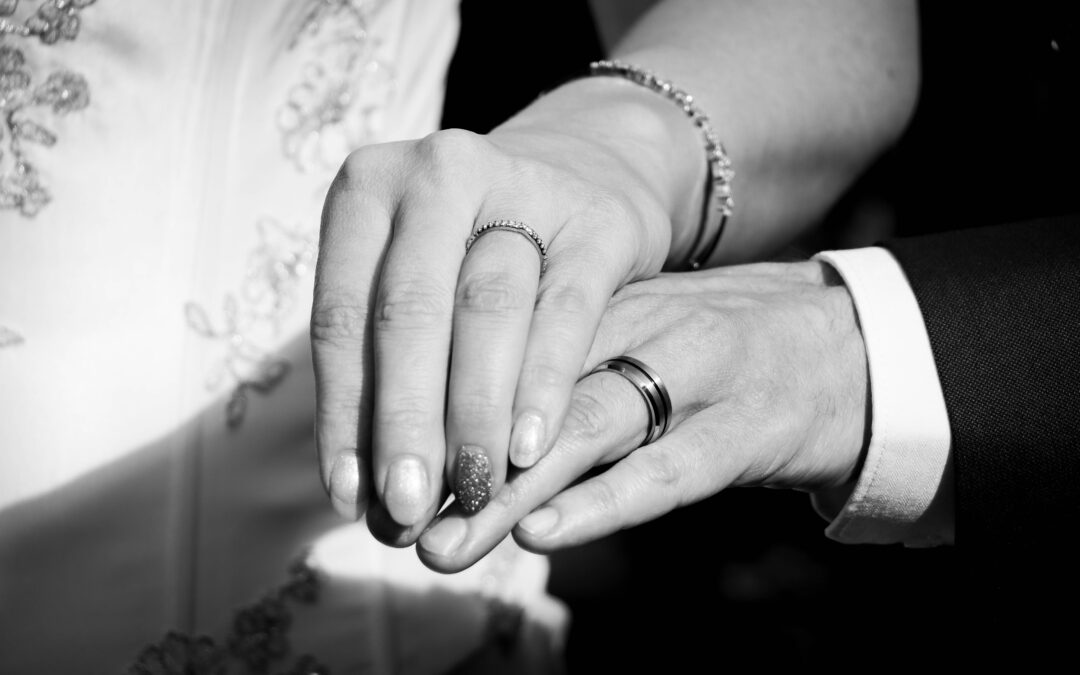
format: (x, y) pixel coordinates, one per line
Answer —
(1000, 306)
(904, 490)
(1001, 309)
(157, 460)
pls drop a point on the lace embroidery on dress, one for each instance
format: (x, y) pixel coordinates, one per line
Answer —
(21, 99)
(333, 110)
(252, 317)
(259, 638)
(346, 86)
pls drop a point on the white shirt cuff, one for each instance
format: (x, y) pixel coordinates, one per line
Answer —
(904, 493)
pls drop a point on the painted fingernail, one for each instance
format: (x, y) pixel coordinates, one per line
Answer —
(540, 522)
(346, 491)
(444, 537)
(472, 486)
(406, 491)
(527, 439)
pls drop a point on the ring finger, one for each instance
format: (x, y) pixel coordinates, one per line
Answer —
(607, 419)
(493, 309)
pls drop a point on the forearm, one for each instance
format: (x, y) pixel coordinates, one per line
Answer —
(999, 305)
(803, 95)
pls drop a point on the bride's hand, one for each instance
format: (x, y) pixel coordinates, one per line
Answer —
(768, 386)
(433, 363)
(611, 176)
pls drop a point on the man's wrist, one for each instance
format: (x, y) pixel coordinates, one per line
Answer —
(853, 384)
(904, 485)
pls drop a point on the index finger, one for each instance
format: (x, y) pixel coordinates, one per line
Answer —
(355, 234)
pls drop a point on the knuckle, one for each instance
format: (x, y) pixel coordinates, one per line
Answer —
(589, 417)
(447, 148)
(567, 299)
(411, 305)
(543, 373)
(362, 166)
(488, 292)
(410, 417)
(339, 404)
(478, 409)
(659, 469)
(337, 321)
(356, 165)
(604, 502)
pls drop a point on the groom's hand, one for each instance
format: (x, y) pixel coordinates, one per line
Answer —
(767, 376)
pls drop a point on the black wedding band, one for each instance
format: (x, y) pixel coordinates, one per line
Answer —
(651, 388)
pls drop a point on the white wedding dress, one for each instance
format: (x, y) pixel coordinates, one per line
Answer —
(162, 172)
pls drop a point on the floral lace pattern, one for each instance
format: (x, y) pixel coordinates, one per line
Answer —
(259, 638)
(346, 85)
(21, 99)
(333, 110)
(252, 317)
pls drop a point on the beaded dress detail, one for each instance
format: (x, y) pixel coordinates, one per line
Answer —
(333, 110)
(26, 97)
(259, 638)
(158, 475)
(345, 87)
(251, 317)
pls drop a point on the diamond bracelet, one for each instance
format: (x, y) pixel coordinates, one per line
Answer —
(719, 165)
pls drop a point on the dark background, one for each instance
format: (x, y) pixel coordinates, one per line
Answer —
(748, 577)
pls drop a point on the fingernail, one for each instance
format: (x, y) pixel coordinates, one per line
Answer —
(406, 491)
(473, 484)
(444, 537)
(527, 439)
(345, 486)
(540, 522)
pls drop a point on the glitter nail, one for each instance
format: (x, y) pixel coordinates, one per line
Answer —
(473, 485)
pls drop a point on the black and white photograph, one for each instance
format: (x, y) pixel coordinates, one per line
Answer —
(492, 337)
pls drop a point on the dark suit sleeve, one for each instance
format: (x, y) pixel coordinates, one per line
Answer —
(1002, 310)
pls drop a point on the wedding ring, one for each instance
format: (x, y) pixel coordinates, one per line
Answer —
(651, 388)
(513, 226)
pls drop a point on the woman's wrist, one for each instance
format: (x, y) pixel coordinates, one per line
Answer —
(648, 135)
